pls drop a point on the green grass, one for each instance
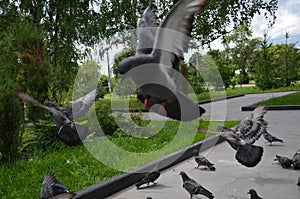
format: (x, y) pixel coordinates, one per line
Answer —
(77, 168)
(213, 94)
(291, 99)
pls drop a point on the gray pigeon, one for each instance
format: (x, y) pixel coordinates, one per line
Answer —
(202, 161)
(296, 160)
(271, 138)
(243, 136)
(193, 187)
(52, 188)
(149, 177)
(298, 181)
(253, 194)
(69, 132)
(285, 162)
(171, 41)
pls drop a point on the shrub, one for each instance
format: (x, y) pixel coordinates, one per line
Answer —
(10, 120)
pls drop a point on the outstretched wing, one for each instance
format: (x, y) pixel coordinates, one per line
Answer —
(49, 185)
(174, 33)
(252, 127)
(147, 27)
(81, 106)
(57, 116)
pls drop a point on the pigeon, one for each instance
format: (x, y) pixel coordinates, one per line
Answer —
(285, 162)
(202, 161)
(298, 181)
(271, 138)
(70, 133)
(148, 178)
(193, 187)
(296, 160)
(253, 194)
(167, 43)
(52, 188)
(243, 136)
(149, 198)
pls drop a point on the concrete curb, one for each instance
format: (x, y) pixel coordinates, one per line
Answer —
(122, 181)
(273, 108)
(220, 99)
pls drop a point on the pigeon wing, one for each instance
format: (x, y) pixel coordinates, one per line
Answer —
(174, 33)
(252, 127)
(49, 186)
(147, 27)
(81, 106)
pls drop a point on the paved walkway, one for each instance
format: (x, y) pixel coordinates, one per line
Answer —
(232, 180)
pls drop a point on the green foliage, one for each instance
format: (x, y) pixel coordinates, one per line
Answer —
(291, 99)
(10, 120)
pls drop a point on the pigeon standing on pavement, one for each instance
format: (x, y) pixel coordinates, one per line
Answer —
(171, 41)
(202, 161)
(253, 194)
(149, 177)
(285, 162)
(243, 136)
(296, 160)
(193, 187)
(271, 138)
(52, 188)
(69, 132)
(298, 181)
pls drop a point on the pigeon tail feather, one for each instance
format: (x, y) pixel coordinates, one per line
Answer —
(249, 155)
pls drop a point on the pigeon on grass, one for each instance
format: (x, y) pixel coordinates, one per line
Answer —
(149, 177)
(69, 132)
(193, 187)
(159, 54)
(243, 136)
(253, 194)
(296, 160)
(52, 188)
(202, 161)
(271, 138)
(285, 162)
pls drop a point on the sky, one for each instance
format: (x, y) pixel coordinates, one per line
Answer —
(288, 20)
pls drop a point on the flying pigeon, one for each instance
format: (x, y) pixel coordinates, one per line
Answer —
(298, 181)
(69, 132)
(52, 188)
(243, 136)
(296, 160)
(167, 43)
(285, 162)
(271, 138)
(253, 194)
(202, 161)
(148, 178)
(193, 187)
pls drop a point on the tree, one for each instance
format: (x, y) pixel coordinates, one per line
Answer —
(242, 50)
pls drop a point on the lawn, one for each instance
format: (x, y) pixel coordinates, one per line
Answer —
(77, 168)
(291, 99)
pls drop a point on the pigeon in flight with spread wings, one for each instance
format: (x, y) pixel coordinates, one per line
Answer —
(156, 59)
(52, 188)
(69, 132)
(243, 136)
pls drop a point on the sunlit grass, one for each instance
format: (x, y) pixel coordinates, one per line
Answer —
(291, 99)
